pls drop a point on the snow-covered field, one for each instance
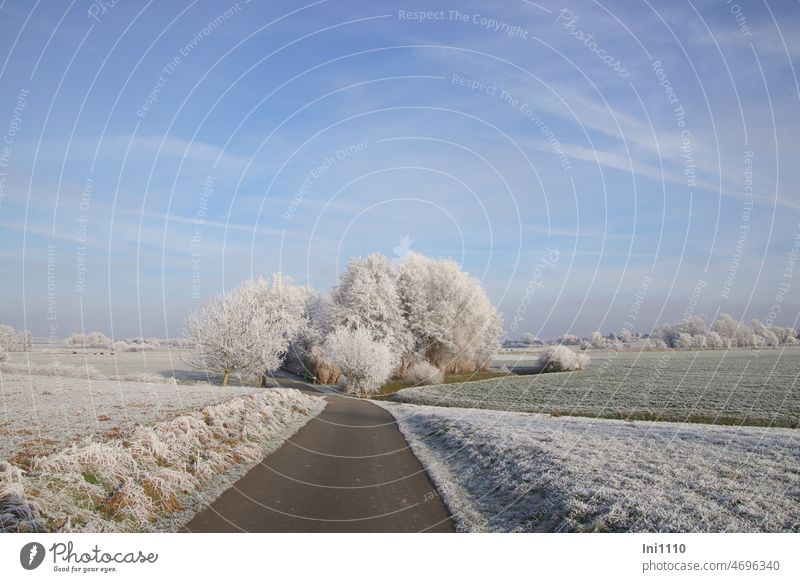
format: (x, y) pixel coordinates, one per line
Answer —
(753, 387)
(506, 471)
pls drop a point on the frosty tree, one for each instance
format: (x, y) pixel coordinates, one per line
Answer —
(725, 326)
(14, 341)
(278, 317)
(367, 298)
(726, 332)
(248, 329)
(452, 321)
(217, 330)
(597, 341)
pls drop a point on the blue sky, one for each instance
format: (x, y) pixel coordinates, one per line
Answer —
(156, 153)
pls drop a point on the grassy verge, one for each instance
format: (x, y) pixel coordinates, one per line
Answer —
(393, 386)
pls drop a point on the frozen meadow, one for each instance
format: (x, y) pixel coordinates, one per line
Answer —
(40, 414)
(507, 471)
(133, 450)
(737, 386)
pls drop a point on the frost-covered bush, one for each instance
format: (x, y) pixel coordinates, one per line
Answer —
(365, 363)
(597, 341)
(714, 341)
(94, 340)
(561, 359)
(134, 346)
(55, 369)
(423, 373)
(121, 346)
(14, 341)
(305, 356)
(422, 306)
(658, 344)
(3, 354)
(323, 368)
(7, 334)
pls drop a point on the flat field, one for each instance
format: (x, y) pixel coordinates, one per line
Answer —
(127, 442)
(733, 387)
(42, 413)
(167, 363)
(509, 471)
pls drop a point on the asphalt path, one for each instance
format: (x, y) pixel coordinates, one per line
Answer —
(347, 470)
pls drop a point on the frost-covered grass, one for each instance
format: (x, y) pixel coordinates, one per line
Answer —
(751, 387)
(392, 386)
(39, 414)
(128, 481)
(110, 364)
(500, 471)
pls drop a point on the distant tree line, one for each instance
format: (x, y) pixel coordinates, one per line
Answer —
(693, 332)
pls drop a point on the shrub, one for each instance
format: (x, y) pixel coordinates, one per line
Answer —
(597, 341)
(248, 329)
(714, 341)
(365, 363)
(323, 367)
(94, 340)
(121, 346)
(423, 373)
(561, 359)
(659, 344)
(14, 341)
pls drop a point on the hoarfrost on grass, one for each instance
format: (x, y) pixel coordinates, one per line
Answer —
(54, 368)
(739, 386)
(500, 471)
(125, 483)
(39, 414)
